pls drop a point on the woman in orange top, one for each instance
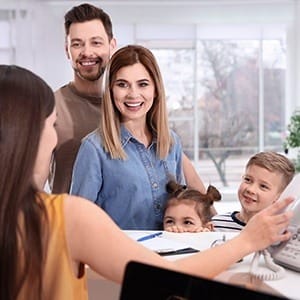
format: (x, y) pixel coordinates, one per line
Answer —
(46, 239)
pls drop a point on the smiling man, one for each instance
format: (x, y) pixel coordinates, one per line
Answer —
(89, 43)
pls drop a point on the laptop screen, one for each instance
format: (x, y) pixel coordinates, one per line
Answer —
(143, 282)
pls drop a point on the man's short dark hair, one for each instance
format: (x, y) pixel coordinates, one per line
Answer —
(87, 12)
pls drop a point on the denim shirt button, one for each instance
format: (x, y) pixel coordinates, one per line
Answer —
(154, 185)
(158, 206)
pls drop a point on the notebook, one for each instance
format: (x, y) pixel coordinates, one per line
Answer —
(142, 281)
(161, 244)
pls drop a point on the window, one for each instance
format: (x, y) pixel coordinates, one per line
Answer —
(225, 90)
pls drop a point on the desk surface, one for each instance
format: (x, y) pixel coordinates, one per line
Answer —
(237, 273)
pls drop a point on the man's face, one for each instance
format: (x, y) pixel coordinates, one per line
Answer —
(89, 49)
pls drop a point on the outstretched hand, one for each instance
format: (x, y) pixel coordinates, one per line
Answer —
(269, 226)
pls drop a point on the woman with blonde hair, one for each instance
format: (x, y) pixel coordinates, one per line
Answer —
(124, 166)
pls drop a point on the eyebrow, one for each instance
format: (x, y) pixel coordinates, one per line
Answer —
(92, 38)
(168, 217)
(140, 80)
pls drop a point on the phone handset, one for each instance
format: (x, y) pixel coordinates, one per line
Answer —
(287, 253)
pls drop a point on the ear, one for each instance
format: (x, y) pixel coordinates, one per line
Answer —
(67, 50)
(113, 45)
(210, 226)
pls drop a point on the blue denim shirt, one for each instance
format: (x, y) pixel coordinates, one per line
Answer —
(131, 191)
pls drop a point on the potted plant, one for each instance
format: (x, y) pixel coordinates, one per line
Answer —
(292, 140)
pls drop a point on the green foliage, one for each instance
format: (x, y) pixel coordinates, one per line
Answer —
(293, 138)
(297, 162)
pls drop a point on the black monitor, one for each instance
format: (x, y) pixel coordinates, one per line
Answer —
(146, 282)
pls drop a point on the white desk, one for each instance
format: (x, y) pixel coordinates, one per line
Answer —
(237, 273)
(287, 286)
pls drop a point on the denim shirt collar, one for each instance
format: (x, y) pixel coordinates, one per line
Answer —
(126, 136)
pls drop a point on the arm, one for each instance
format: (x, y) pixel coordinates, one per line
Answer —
(94, 239)
(87, 177)
(192, 178)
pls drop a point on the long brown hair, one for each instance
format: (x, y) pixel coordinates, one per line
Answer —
(25, 102)
(157, 117)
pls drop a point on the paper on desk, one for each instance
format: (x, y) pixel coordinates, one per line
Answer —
(159, 243)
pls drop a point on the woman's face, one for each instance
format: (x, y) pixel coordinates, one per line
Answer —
(133, 92)
(48, 141)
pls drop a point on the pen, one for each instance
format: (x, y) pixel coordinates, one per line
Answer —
(149, 236)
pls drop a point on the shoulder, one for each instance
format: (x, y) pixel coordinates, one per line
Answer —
(175, 137)
(226, 215)
(226, 222)
(92, 139)
(62, 96)
(62, 91)
(54, 207)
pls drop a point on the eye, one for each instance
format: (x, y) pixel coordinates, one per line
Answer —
(246, 179)
(264, 187)
(143, 84)
(121, 84)
(97, 43)
(168, 221)
(76, 44)
(188, 222)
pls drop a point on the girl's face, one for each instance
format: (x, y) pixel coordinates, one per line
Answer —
(182, 215)
(258, 189)
(48, 141)
(133, 92)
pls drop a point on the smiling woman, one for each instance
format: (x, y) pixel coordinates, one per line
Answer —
(133, 91)
(124, 166)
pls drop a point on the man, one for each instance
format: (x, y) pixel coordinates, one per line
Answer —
(89, 45)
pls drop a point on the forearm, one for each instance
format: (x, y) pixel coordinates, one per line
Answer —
(212, 262)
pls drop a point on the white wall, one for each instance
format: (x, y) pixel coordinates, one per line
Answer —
(39, 35)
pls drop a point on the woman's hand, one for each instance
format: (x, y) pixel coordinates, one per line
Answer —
(269, 226)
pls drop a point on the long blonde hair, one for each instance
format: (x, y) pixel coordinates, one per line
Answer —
(157, 117)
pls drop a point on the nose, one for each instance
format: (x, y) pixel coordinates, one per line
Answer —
(133, 92)
(251, 189)
(86, 50)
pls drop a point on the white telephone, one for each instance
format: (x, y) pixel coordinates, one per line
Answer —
(287, 253)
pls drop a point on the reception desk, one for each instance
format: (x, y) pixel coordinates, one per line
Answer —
(238, 273)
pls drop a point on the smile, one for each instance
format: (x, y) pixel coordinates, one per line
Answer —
(88, 63)
(133, 104)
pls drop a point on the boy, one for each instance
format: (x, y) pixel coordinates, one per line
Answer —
(266, 176)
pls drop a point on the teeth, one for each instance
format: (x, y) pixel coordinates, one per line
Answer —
(88, 63)
(133, 104)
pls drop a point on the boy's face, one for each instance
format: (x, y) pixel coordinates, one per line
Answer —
(259, 189)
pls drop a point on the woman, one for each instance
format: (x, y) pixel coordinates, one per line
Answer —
(46, 239)
(124, 166)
